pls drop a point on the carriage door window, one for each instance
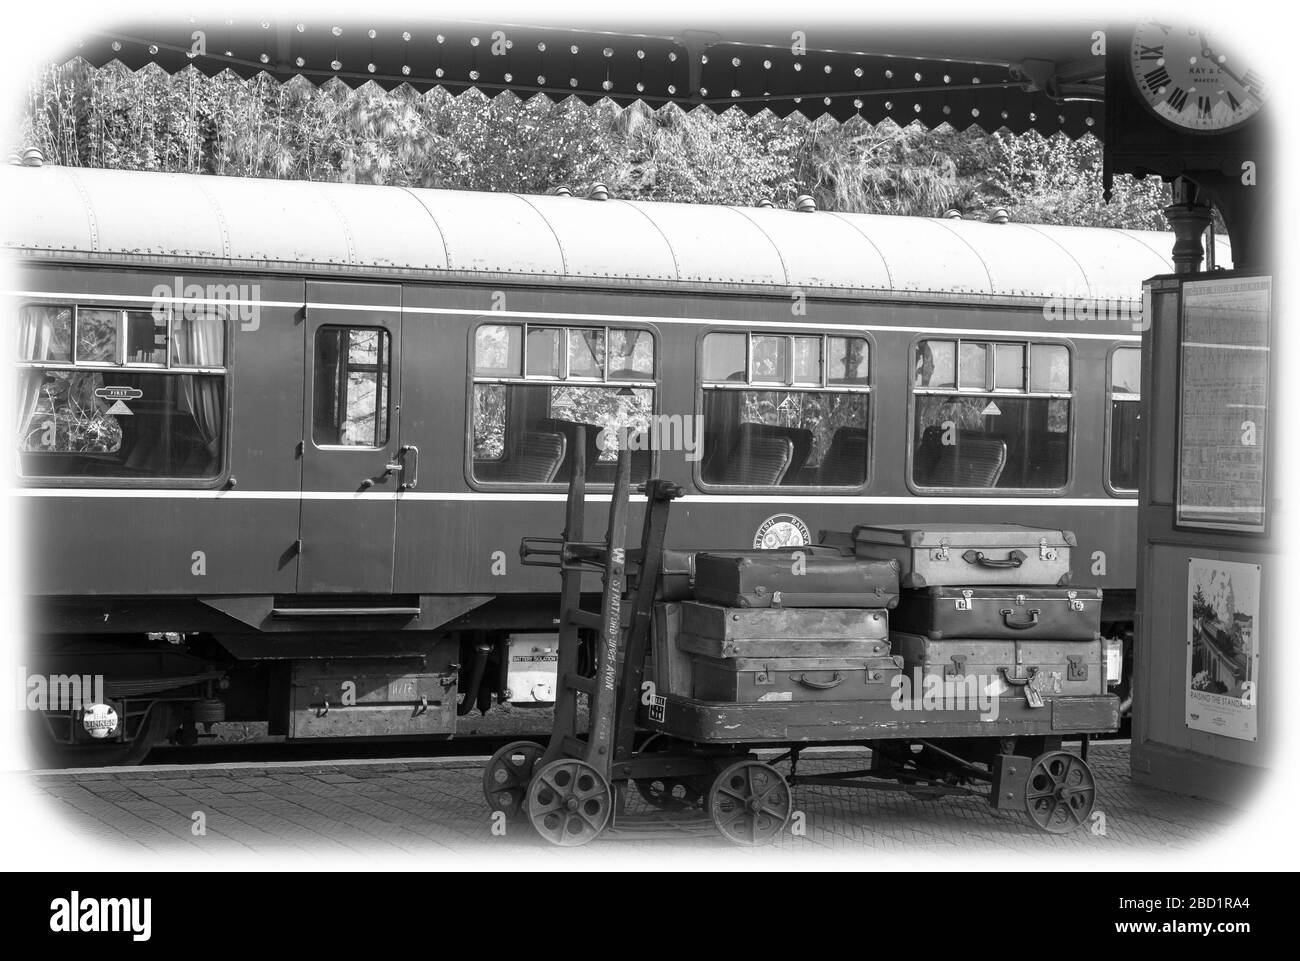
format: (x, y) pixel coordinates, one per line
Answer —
(991, 415)
(351, 395)
(1125, 412)
(785, 409)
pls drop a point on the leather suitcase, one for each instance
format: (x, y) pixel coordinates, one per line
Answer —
(1015, 613)
(1050, 667)
(670, 665)
(746, 680)
(944, 555)
(780, 579)
(677, 567)
(721, 632)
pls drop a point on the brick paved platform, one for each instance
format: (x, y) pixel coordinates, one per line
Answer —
(435, 806)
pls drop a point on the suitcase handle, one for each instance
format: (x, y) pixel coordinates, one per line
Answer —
(1018, 681)
(1006, 613)
(1014, 559)
(836, 680)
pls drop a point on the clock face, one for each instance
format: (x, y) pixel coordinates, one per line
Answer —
(1189, 81)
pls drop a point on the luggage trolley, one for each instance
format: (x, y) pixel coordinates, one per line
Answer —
(696, 770)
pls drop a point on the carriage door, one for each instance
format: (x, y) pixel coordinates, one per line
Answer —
(352, 466)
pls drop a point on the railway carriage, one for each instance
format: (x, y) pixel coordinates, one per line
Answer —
(276, 442)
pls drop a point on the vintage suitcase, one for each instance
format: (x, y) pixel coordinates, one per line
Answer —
(947, 555)
(777, 632)
(750, 679)
(1019, 613)
(1048, 667)
(779, 579)
(670, 665)
(677, 567)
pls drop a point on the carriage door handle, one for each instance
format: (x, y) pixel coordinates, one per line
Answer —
(414, 474)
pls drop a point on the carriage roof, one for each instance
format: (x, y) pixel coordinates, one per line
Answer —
(238, 222)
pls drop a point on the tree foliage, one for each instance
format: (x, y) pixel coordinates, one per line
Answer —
(149, 120)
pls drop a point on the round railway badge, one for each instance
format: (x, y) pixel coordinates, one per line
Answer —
(782, 530)
(99, 720)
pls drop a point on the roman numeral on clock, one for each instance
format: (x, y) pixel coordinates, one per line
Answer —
(1233, 102)
(1203, 107)
(1156, 78)
(1255, 83)
(1178, 98)
(1150, 53)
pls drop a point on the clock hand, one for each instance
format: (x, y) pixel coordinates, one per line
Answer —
(1207, 51)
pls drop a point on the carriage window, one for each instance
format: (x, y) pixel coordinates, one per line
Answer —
(529, 409)
(124, 394)
(350, 398)
(785, 410)
(991, 415)
(1125, 414)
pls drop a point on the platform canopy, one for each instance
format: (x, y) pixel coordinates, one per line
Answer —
(1047, 79)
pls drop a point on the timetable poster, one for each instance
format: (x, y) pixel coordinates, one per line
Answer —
(1222, 647)
(1224, 413)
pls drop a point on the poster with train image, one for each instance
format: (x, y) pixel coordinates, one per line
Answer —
(1222, 647)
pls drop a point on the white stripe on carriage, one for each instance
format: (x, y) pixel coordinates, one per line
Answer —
(508, 496)
(584, 318)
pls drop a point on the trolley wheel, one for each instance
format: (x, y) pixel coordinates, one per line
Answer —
(569, 802)
(506, 777)
(1061, 792)
(672, 793)
(750, 803)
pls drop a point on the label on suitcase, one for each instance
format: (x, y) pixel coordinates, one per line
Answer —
(776, 632)
(748, 680)
(677, 567)
(1033, 670)
(1021, 613)
(794, 578)
(944, 555)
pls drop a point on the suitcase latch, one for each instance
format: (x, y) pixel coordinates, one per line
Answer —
(1077, 671)
(1075, 603)
(964, 603)
(1045, 553)
(765, 676)
(957, 668)
(940, 553)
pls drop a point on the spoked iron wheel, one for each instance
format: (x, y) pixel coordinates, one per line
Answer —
(569, 802)
(1061, 792)
(750, 803)
(506, 777)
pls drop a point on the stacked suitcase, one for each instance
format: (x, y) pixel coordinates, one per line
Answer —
(804, 624)
(990, 602)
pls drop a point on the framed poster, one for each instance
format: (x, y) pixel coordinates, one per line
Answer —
(1223, 405)
(1222, 647)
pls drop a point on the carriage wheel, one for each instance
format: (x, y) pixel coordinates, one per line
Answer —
(1061, 792)
(506, 777)
(569, 802)
(750, 803)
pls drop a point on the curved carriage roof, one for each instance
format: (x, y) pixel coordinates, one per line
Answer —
(242, 222)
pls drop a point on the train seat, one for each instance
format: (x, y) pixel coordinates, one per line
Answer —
(975, 460)
(757, 460)
(845, 462)
(534, 459)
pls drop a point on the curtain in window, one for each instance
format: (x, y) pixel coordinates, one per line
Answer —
(200, 343)
(35, 338)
